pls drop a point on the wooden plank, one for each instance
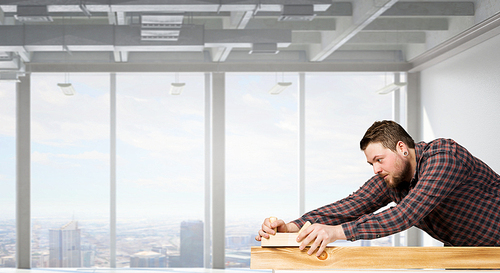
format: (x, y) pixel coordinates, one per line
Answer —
(283, 239)
(306, 225)
(283, 258)
(280, 240)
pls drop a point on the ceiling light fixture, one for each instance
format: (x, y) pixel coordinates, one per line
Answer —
(160, 34)
(66, 87)
(176, 87)
(279, 87)
(161, 27)
(391, 88)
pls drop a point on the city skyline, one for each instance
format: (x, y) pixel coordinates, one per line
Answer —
(133, 238)
(139, 238)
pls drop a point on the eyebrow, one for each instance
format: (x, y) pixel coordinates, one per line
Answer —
(374, 159)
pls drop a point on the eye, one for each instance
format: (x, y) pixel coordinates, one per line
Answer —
(379, 160)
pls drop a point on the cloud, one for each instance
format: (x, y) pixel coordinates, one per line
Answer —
(42, 158)
(59, 120)
(251, 101)
(69, 160)
(174, 184)
(92, 155)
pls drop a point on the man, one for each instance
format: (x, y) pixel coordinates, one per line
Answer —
(438, 187)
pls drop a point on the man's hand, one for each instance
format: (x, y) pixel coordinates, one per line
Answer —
(320, 235)
(268, 228)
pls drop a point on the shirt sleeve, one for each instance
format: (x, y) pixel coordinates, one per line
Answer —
(370, 197)
(438, 175)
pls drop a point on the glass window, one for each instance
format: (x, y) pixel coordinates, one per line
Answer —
(70, 171)
(261, 157)
(160, 170)
(339, 109)
(7, 174)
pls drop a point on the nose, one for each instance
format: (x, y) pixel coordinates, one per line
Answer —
(377, 169)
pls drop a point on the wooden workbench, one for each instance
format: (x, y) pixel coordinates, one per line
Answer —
(285, 258)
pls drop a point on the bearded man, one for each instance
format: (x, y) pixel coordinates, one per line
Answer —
(438, 187)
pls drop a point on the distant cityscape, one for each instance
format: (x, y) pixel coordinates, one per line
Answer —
(138, 243)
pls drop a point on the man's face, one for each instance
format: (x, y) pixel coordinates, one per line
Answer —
(393, 167)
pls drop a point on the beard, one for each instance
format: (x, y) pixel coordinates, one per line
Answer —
(403, 170)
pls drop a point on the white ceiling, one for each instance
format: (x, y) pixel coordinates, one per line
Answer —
(207, 35)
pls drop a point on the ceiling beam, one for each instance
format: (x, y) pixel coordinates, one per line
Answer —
(409, 24)
(388, 38)
(217, 67)
(246, 37)
(163, 6)
(368, 55)
(335, 9)
(318, 24)
(431, 9)
(364, 13)
(308, 37)
(256, 22)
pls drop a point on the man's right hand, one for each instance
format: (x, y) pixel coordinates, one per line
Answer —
(268, 228)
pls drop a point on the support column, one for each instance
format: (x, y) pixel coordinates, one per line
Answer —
(207, 242)
(414, 111)
(23, 173)
(414, 235)
(302, 143)
(396, 101)
(218, 171)
(112, 163)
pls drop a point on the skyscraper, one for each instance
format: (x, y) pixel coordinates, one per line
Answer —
(64, 246)
(148, 259)
(191, 253)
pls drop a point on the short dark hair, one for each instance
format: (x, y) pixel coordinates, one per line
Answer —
(388, 133)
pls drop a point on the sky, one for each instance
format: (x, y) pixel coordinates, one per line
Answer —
(160, 145)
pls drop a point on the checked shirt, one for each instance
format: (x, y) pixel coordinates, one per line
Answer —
(453, 196)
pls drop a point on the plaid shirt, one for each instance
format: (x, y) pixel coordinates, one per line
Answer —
(453, 196)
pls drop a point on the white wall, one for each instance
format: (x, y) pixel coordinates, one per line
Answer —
(460, 99)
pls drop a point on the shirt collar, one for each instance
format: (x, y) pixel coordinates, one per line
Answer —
(419, 152)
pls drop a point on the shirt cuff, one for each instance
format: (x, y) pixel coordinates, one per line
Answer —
(299, 222)
(350, 231)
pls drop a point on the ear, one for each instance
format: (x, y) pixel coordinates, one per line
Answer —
(401, 147)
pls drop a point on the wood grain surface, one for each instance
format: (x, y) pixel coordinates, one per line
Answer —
(280, 240)
(283, 239)
(377, 258)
